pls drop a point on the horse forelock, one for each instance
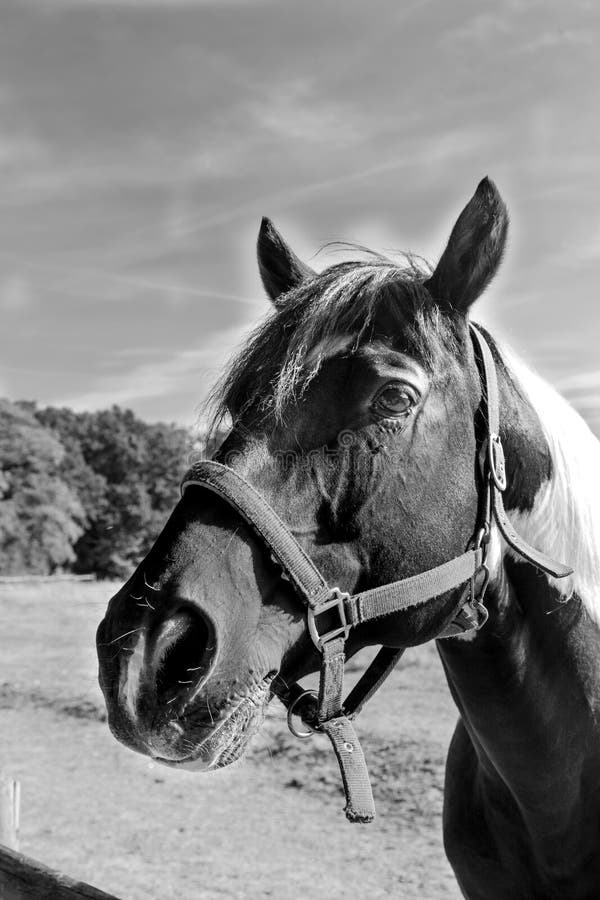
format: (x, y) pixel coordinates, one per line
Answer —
(564, 518)
(337, 310)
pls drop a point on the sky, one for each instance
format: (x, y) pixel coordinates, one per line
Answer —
(141, 141)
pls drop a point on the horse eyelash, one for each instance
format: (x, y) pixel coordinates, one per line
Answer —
(395, 425)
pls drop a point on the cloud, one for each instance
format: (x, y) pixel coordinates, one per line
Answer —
(432, 153)
(584, 250)
(551, 40)
(582, 390)
(481, 28)
(138, 4)
(295, 111)
(195, 368)
(580, 383)
(21, 150)
(515, 27)
(26, 162)
(15, 294)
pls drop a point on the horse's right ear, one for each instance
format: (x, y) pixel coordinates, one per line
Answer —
(474, 250)
(279, 267)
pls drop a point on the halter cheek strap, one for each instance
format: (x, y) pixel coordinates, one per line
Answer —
(332, 613)
(495, 467)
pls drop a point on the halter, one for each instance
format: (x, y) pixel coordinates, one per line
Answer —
(332, 613)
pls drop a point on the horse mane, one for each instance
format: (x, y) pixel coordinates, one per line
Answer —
(283, 355)
(565, 519)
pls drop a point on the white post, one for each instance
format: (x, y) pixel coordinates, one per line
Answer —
(10, 802)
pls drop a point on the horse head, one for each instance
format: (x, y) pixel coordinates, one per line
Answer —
(354, 413)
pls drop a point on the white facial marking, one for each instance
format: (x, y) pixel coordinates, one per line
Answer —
(131, 686)
(327, 348)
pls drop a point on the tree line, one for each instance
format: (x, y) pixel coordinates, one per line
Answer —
(84, 492)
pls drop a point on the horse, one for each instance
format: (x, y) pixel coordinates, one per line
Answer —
(377, 436)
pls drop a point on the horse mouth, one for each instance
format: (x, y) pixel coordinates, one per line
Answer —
(230, 735)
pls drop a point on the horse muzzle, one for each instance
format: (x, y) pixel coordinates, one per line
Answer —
(151, 675)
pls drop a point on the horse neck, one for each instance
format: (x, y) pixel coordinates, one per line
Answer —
(526, 685)
(526, 689)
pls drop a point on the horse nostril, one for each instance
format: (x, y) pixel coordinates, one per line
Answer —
(182, 653)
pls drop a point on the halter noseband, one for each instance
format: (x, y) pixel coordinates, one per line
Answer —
(332, 613)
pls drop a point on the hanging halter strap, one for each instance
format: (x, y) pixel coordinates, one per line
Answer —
(332, 613)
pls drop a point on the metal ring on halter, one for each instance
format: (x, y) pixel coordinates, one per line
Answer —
(290, 713)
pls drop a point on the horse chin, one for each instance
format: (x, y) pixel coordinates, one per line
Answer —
(230, 737)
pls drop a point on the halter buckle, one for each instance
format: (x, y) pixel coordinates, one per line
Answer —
(497, 462)
(477, 595)
(336, 601)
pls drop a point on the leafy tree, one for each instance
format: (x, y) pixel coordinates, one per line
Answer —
(126, 473)
(40, 516)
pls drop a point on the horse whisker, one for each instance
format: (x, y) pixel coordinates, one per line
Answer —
(147, 604)
(267, 744)
(121, 636)
(212, 721)
(229, 541)
(149, 586)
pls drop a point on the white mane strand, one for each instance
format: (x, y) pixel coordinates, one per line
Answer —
(565, 519)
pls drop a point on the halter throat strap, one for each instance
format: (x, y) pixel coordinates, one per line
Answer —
(332, 613)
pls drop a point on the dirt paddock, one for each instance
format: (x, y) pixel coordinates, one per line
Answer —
(271, 826)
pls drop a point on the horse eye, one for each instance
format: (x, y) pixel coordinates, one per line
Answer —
(394, 400)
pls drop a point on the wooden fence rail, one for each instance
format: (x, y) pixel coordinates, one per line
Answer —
(23, 878)
(43, 579)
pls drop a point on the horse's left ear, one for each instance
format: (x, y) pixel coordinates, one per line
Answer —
(474, 250)
(279, 267)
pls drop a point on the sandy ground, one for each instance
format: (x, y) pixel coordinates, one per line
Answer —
(271, 826)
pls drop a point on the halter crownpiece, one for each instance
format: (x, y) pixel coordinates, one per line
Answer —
(332, 613)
